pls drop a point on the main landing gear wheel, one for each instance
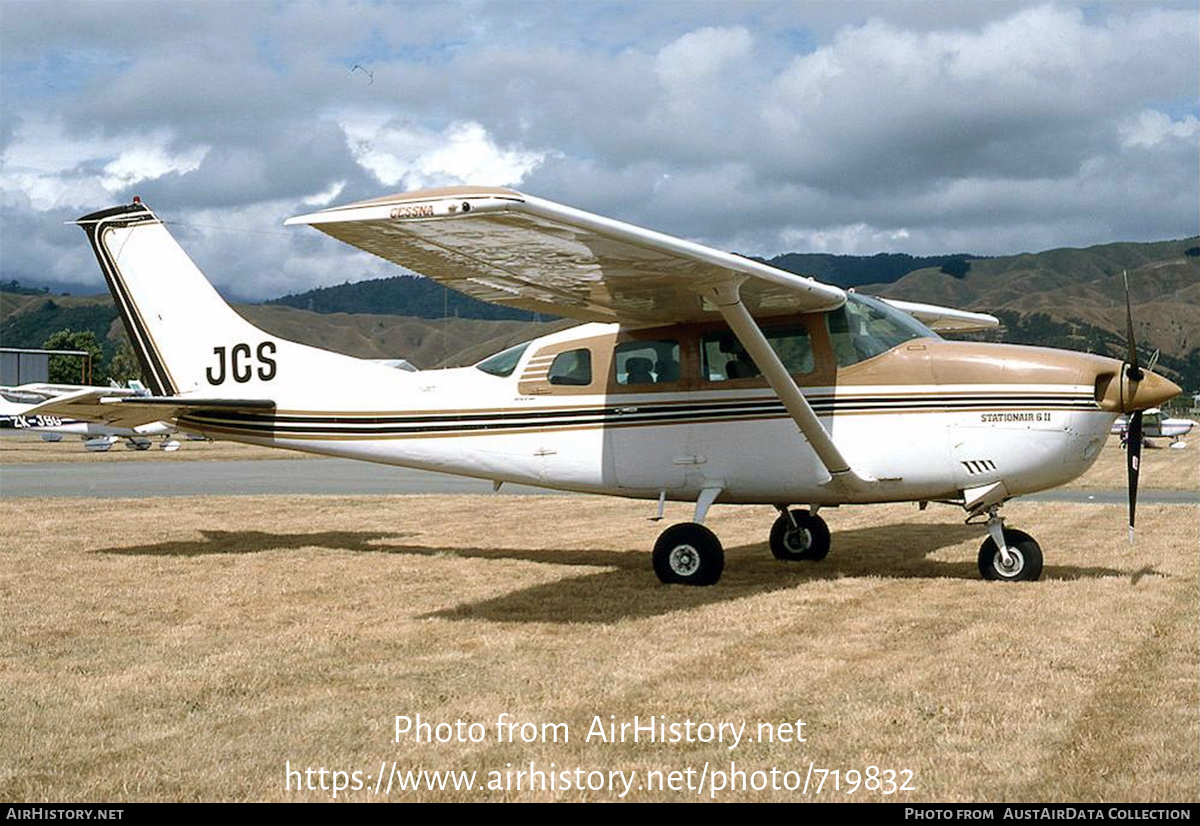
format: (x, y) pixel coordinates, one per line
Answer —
(1026, 556)
(808, 538)
(688, 554)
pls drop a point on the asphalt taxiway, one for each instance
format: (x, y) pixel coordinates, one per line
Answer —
(262, 477)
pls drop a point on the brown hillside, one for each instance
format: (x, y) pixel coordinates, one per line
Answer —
(1079, 285)
(424, 342)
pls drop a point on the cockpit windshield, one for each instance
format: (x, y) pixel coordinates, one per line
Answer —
(503, 363)
(864, 327)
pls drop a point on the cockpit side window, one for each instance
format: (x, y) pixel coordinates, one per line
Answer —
(647, 362)
(572, 367)
(724, 357)
(503, 363)
(864, 327)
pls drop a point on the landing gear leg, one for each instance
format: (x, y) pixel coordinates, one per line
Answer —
(1008, 555)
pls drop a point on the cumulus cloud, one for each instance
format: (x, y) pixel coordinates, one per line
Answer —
(765, 127)
(53, 169)
(1151, 128)
(416, 158)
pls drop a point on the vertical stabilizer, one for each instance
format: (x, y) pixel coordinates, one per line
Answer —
(170, 310)
(188, 340)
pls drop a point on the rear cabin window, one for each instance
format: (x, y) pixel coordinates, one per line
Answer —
(864, 327)
(647, 362)
(573, 367)
(724, 357)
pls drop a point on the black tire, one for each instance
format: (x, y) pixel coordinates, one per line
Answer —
(1026, 554)
(808, 539)
(688, 554)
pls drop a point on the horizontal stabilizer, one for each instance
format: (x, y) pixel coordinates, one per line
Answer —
(40, 392)
(100, 405)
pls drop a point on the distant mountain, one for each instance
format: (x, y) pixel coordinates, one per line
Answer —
(1070, 298)
(27, 320)
(38, 286)
(427, 343)
(857, 270)
(406, 295)
(1076, 298)
(418, 297)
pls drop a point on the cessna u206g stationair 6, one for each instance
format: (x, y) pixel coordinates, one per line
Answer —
(700, 376)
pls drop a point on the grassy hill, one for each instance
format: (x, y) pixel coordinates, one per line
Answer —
(405, 295)
(427, 343)
(28, 320)
(858, 270)
(418, 297)
(1076, 298)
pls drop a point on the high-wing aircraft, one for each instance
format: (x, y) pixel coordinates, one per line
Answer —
(16, 404)
(699, 376)
(1156, 425)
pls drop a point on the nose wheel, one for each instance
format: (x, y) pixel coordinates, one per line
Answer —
(1024, 563)
(798, 535)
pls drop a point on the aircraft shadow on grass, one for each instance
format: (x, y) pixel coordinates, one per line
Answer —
(887, 551)
(252, 542)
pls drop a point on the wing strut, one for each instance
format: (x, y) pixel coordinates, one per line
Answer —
(729, 303)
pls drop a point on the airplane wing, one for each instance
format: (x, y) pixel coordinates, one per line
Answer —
(101, 405)
(946, 319)
(504, 247)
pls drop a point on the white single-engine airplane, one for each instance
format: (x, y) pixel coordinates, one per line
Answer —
(17, 402)
(1156, 425)
(702, 376)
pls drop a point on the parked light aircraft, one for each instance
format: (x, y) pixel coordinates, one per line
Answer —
(699, 376)
(16, 404)
(1156, 425)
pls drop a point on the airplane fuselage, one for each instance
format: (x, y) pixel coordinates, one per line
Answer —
(925, 419)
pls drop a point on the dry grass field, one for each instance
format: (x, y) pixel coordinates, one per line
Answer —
(194, 648)
(1163, 469)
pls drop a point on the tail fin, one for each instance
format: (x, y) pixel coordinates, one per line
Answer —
(185, 335)
(167, 304)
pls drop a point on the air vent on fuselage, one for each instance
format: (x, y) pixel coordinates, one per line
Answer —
(977, 466)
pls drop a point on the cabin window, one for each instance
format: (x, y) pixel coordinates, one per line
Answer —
(724, 357)
(503, 363)
(647, 362)
(864, 327)
(573, 367)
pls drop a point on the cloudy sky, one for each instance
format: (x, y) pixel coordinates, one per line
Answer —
(759, 127)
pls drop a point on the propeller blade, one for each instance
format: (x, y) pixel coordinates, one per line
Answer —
(1133, 372)
(1133, 461)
